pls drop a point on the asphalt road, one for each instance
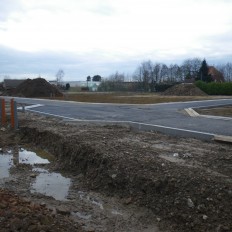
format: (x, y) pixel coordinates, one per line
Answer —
(166, 117)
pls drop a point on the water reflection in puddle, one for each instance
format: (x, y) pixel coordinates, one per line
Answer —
(29, 157)
(81, 215)
(5, 164)
(116, 212)
(10, 158)
(84, 196)
(51, 184)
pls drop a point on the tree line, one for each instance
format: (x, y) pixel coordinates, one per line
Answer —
(149, 74)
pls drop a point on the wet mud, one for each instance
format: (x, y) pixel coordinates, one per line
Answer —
(122, 180)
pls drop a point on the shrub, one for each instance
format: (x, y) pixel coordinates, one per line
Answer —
(214, 88)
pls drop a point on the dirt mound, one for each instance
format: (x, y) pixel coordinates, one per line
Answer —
(184, 90)
(38, 87)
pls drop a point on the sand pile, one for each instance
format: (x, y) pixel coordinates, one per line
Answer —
(184, 90)
(38, 87)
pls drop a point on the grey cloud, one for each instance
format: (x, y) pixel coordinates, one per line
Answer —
(17, 64)
(76, 67)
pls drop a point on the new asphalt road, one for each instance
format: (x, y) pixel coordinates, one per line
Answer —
(169, 118)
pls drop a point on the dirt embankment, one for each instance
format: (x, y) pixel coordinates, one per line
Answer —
(185, 182)
(184, 90)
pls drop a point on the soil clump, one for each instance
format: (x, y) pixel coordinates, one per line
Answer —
(184, 90)
(38, 87)
(21, 214)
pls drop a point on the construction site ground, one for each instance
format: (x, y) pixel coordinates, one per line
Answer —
(120, 179)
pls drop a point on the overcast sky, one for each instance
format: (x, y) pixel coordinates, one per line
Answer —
(89, 37)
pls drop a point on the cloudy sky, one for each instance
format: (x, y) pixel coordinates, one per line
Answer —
(89, 37)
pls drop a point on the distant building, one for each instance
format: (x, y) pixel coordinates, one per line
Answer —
(216, 75)
(92, 85)
(53, 82)
(1, 86)
(10, 84)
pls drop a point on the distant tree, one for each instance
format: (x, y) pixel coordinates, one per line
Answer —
(203, 73)
(115, 82)
(226, 70)
(164, 72)
(174, 73)
(7, 77)
(96, 78)
(59, 76)
(142, 75)
(190, 68)
(88, 78)
(117, 77)
(67, 86)
(156, 72)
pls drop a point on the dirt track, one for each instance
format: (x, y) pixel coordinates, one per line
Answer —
(176, 184)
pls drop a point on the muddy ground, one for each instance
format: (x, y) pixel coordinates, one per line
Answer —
(121, 180)
(225, 111)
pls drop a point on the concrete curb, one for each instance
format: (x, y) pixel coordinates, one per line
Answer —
(191, 112)
(222, 138)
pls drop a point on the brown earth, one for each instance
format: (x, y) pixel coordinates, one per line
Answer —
(177, 184)
(225, 111)
(38, 87)
(184, 90)
(18, 214)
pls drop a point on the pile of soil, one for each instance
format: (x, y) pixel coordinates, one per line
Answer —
(38, 87)
(184, 90)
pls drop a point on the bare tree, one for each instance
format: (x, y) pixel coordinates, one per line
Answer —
(117, 77)
(191, 67)
(164, 72)
(115, 82)
(156, 72)
(226, 70)
(59, 76)
(144, 75)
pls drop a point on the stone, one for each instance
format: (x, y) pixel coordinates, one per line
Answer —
(63, 210)
(205, 217)
(33, 175)
(128, 201)
(190, 203)
(114, 176)
(3, 205)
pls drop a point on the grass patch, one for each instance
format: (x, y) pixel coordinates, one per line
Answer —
(217, 111)
(129, 98)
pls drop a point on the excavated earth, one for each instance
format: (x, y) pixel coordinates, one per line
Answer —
(37, 87)
(184, 89)
(121, 180)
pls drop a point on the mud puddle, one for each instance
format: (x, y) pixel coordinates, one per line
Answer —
(51, 184)
(6, 161)
(44, 182)
(28, 174)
